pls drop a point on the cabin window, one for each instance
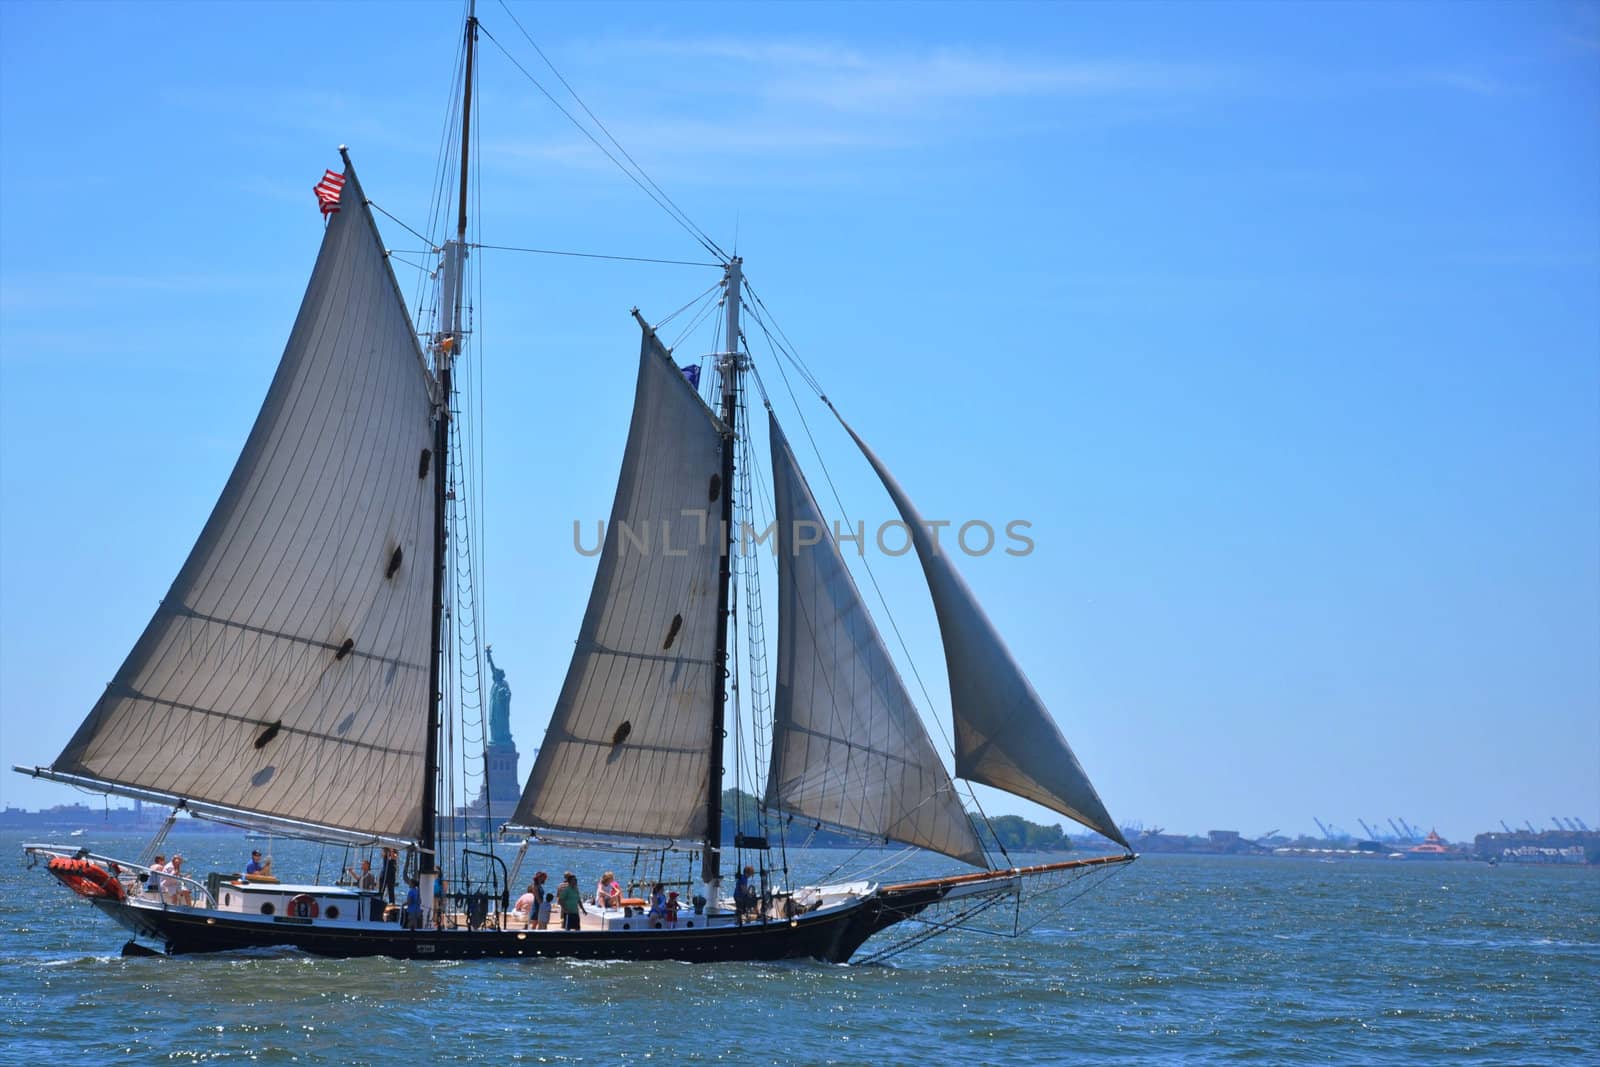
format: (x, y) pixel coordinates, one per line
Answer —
(227, 898)
(267, 908)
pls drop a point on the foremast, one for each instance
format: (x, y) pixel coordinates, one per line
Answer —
(446, 345)
(731, 365)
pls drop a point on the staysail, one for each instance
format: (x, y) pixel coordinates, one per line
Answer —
(848, 748)
(1004, 735)
(628, 749)
(286, 672)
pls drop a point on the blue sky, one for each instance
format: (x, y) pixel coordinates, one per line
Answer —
(1280, 324)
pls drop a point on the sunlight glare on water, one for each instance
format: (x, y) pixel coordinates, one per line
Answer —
(1179, 959)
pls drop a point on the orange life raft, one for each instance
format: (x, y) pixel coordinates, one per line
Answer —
(86, 879)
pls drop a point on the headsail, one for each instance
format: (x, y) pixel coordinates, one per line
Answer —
(848, 748)
(1004, 735)
(285, 674)
(628, 746)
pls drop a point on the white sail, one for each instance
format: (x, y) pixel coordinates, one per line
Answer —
(286, 672)
(848, 748)
(628, 749)
(1004, 735)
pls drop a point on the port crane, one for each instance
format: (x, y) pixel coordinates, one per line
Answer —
(1581, 824)
(1412, 833)
(1372, 835)
(1506, 828)
(1400, 835)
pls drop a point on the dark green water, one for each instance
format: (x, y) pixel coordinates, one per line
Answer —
(1176, 960)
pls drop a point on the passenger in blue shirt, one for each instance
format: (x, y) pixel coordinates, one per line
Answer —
(254, 866)
(744, 894)
(411, 915)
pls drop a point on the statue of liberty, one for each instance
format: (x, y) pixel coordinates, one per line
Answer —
(499, 705)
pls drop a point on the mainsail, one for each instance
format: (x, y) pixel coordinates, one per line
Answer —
(1004, 735)
(848, 748)
(285, 674)
(628, 749)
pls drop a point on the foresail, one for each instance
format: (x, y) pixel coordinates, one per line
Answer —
(848, 748)
(1004, 735)
(286, 671)
(628, 749)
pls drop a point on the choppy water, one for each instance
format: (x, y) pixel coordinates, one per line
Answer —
(1176, 960)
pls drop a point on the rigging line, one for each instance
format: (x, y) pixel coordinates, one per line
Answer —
(597, 255)
(1090, 885)
(373, 204)
(609, 136)
(828, 477)
(713, 287)
(882, 600)
(684, 221)
(794, 355)
(441, 171)
(707, 306)
(407, 262)
(755, 664)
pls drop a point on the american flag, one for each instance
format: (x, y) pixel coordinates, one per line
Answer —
(327, 191)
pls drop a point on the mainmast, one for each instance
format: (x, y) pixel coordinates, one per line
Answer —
(731, 365)
(446, 344)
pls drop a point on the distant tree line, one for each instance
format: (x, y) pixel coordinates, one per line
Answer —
(1018, 834)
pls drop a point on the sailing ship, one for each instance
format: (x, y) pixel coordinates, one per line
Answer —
(296, 679)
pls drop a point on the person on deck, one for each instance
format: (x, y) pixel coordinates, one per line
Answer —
(608, 894)
(438, 900)
(254, 866)
(411, 914)
(158, 867)
(527, 905)
(658, 901)
(543, 901)
(571, 900)
(173, 890)
(364, 878)
(744, 894)
(386, 877)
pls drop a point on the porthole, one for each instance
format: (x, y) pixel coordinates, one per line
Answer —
(332, 912)
(227, 898)
(627, 926)
(691, 924)
(267, 908)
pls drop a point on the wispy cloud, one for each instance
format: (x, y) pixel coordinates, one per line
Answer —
(818, 99)
(848, 80)
(904, 85)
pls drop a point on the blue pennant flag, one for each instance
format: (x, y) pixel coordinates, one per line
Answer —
(692, 373)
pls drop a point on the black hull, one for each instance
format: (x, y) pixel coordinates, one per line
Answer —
(832, 937)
